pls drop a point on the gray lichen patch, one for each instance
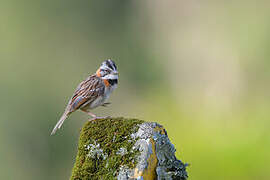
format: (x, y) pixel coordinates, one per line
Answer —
(122, 151)
(103, 147)
(157, 156)
(94, 151)
(169, 168)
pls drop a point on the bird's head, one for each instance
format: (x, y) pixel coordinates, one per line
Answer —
(108, 71)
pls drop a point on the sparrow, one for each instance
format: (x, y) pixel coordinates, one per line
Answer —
(92, 92)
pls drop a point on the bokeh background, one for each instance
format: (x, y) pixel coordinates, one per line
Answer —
(200, 68)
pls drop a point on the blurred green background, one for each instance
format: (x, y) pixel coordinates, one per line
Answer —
(200, 68)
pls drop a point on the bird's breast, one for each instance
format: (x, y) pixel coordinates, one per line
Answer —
(101, 99)
(97, 102)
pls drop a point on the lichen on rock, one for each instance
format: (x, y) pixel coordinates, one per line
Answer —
(94, 151)
(98, 149)
(118, 148)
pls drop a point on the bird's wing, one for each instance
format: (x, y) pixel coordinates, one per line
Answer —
(87, 91)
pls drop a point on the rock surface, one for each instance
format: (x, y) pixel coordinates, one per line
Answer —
(118, 148)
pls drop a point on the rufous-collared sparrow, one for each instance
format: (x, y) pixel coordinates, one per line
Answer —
(92, 92)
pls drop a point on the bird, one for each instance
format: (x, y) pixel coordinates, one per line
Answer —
(94, 91)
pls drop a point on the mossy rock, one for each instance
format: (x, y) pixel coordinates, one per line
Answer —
(119, 148)
(105, 137)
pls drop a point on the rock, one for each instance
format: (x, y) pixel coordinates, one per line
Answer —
(118, 148)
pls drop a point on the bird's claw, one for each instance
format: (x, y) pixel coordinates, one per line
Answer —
(96, 118)
(106, 104)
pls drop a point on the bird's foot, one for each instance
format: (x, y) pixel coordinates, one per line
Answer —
(96, 118)
(106, 104)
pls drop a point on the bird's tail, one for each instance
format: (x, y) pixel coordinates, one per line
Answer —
(60, 122)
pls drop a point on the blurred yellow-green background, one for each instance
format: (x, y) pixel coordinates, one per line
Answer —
(200, 68)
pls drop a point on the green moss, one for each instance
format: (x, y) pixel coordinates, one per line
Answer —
(108, 136)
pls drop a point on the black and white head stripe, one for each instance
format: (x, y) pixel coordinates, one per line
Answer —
(110, 64)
